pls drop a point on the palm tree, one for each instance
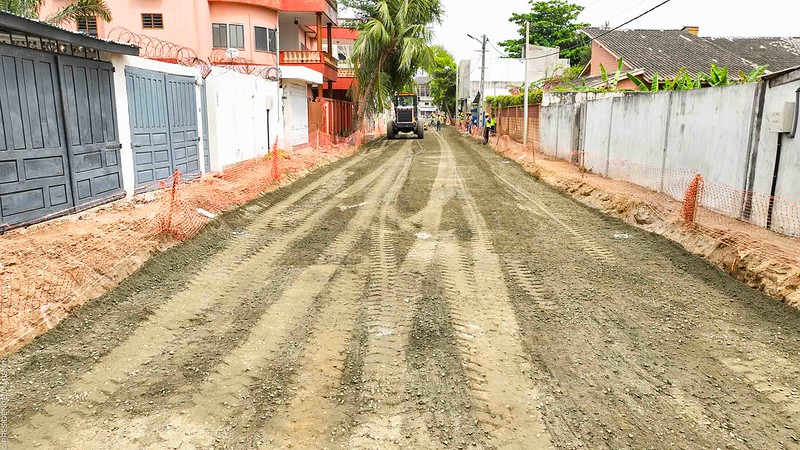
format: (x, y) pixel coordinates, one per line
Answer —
(69, 13)
(392, 44)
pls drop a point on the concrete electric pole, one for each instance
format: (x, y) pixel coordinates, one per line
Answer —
(455, 111)
(483, 72)
(525, 110)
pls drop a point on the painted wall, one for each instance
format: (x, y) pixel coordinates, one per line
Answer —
(602, 56)
(661, 140)
(242, 122)
(250, 16)
(123, 117)
(186, 22)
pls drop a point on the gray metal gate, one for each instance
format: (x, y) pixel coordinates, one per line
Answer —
(163, 119)
(48, 165)
(91, 122)
(183, 128)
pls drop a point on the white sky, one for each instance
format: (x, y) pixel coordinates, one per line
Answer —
(714, 17)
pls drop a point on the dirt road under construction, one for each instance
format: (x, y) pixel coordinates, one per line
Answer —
(420, 294)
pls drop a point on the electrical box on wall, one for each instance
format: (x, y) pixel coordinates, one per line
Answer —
(780, 121)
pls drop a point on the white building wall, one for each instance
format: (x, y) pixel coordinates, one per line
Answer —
(242, 118)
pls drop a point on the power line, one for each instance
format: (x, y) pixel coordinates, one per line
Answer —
(495, 49)
(606, 32)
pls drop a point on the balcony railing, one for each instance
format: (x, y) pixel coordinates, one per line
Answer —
(347, 72)
(308, 57)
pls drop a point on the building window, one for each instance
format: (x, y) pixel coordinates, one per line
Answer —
(265, 39)
(153, 21)
(236, 36)
(219, 35)
(87, 25)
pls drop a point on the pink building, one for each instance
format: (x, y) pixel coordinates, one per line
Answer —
(209, 27)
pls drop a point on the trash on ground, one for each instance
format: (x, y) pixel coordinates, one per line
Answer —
(345, 208)
(203, 212)
(622, 236)
(423, 235)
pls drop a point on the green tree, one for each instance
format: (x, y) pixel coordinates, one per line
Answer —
(553, 24)
(443, 80)
(392, 44)
(69, 13)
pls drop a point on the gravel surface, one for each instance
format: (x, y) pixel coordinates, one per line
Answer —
(420, 294)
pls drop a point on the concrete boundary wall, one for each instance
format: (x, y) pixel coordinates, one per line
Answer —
(652, 138)
(242, 119)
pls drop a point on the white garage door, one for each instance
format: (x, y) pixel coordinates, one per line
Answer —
(298, 113)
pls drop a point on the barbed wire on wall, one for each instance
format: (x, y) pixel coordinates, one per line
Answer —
(151, 47)
(220, 58)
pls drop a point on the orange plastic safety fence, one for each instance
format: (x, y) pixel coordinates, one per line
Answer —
(690, 199)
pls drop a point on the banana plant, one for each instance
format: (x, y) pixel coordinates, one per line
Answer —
(654, 87)
(610, 84)
(718, 76)
(753, 76)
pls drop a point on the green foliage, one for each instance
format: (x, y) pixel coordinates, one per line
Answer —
(392, 45)
(683, 81)
(69, 13)
(553, 24)
(717, 76)
(81, 8)
(443, 80)
(754, 75)
(24, 8)
(610, 84)
(501, 101)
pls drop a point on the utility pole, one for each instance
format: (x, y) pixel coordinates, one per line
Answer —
(455, 111)
(525, 110)
(481, 114)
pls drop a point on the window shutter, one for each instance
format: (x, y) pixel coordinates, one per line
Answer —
(273, 42)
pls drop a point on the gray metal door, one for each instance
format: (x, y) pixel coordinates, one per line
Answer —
(91, 123)
(147, 108)
(182, 117)
(163, 118)
(206, 148)
(34, 168)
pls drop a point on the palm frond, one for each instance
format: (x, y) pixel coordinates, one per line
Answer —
(81, 8)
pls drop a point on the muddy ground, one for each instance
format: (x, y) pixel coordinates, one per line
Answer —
(420, 294)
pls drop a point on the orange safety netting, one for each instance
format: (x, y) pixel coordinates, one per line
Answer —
(53, 267)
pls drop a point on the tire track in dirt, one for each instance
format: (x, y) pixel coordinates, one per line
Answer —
(223, 280)
(313, 416)
(386, 418)
(201, 415)
(51, 363)
(584, 239)
(336, 252)
(500, 376)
